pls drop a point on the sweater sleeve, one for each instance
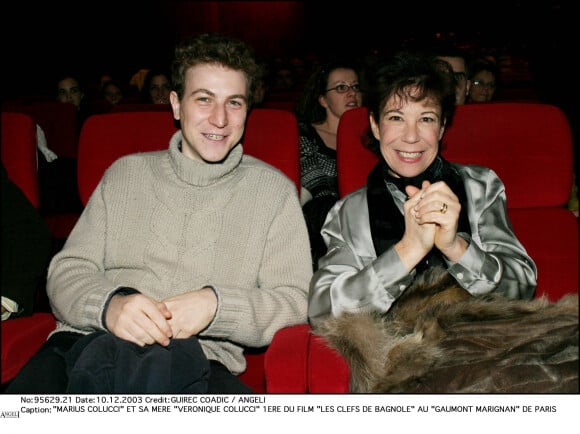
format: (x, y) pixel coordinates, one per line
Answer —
(77, 285)
(251, 317)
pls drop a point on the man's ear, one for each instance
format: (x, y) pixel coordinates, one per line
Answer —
(175, 105)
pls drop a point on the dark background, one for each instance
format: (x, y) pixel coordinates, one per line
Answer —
(42, 38)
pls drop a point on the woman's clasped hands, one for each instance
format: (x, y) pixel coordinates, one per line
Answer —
(431, 220)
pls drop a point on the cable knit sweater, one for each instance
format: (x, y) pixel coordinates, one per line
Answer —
(164, 225)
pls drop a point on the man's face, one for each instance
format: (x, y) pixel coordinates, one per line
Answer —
(459, 70)
(212, 111)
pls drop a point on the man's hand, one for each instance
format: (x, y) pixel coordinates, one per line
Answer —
(139, 319)
(191, 312)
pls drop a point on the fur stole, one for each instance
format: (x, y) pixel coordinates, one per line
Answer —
(437, 338)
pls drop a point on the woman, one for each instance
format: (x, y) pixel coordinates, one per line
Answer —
(330, 91)
(417, 210)
(483, 75)
(156, 87)
(112, 92)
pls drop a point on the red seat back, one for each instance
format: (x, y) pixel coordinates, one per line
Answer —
(106, 137)
(353, 160)
(19, 153)
(59, 121)
(272, 136)
(524, 143)
(529, 145)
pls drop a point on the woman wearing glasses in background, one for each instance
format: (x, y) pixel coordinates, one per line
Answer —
(332, 89)
(483, 75)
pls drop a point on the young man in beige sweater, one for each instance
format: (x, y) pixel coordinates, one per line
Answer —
(182, 257)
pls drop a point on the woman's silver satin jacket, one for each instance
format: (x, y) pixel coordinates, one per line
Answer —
(351, 278)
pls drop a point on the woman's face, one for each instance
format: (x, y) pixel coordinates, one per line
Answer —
(482, 87)
(68, 90)
(409, 134)
(159, 89)
(336, 101)
(113, 93)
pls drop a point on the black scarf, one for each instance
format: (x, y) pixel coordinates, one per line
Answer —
(387, 223)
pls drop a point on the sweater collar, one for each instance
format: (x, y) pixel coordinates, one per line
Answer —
(201, 173)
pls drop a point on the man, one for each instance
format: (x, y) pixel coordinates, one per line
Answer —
(181, 258)
(457, 59)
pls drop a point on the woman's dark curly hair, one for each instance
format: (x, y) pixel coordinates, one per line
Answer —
(413, 77)
(308, 108)
(215, 49)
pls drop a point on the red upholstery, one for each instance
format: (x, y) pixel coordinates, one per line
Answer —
(272, 136)
(102, 148)
(353, 161)
(516, 140)
(287, 360)
(106, 137)
(550, 236)
(522, 142)
(57, 120)
(21, 337)
(327, 371)
(19, 153)
(525, 143)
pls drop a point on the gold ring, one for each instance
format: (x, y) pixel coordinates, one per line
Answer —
(443, 209)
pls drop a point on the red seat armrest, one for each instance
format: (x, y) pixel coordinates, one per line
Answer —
(286, 360)
(21, 339)
(328, 371)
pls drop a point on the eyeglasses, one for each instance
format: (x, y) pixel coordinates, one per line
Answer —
(344, 88)
(488, 84)
(459, 76)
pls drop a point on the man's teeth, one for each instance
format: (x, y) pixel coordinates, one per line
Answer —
(214, 136)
